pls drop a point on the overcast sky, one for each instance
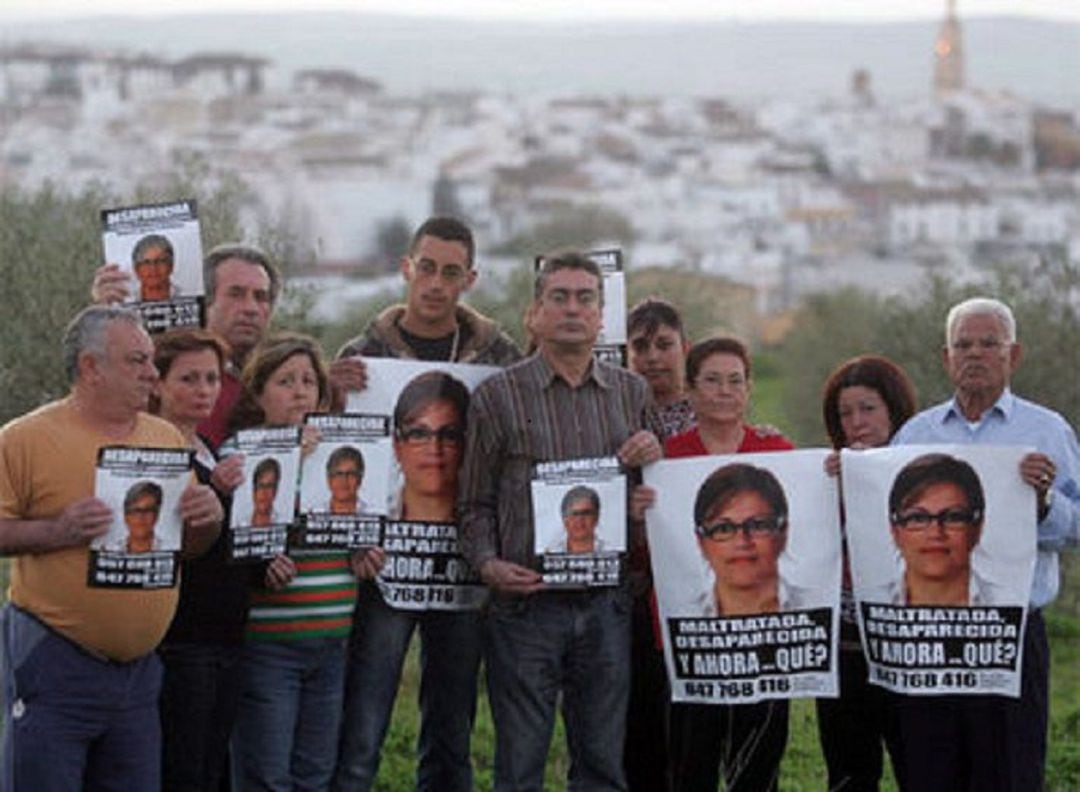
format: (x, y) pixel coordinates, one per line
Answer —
(556, 10)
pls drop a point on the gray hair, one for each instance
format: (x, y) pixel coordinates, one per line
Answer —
(981, 306)
(576, 494)
(248, 253)
(87, 331)
(148, 243)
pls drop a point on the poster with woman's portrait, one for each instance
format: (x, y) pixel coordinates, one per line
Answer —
(942, 544)
(429, 407)
(746, 560)
(579, 528)
(142, 486)
(344, 482)
(264, 505)
(160, 248)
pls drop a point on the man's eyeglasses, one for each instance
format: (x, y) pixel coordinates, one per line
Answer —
(724, 530)
(421, 435)
(949, 519)
(450, 273)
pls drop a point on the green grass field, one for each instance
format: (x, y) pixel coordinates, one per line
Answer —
(803, 767)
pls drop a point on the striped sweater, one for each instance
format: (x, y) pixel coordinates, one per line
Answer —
(317, 604)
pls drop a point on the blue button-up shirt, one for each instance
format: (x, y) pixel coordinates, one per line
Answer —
(1018, 422)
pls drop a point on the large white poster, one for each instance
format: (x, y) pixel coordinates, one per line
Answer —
(426, 405)
(942, 543)
(746, 559)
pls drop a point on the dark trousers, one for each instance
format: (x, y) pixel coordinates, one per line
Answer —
(982, 743)
(852, 727)
(747, 740)
(199, 697)
(645, 757)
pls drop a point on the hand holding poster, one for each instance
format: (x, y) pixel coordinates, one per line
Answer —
(579, 508)
(159, 246)
(746, 560)
(344, 483)
(942, 547)
(424, 568)
(143, 487)
(264, 504)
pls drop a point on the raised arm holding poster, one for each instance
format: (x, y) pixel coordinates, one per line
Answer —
(143, 487)
(746, 560)
(160, 247)
(579, 507)
(264, 504)
(424, 569)
(344, 482)
(942, 547)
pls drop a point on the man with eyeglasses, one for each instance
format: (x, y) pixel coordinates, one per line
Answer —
(994, 742)
(545, 646)
(432, 324)
(936, 509)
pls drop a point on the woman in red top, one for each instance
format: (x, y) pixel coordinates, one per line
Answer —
(746, 740)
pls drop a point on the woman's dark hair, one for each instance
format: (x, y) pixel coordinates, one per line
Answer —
(268, 356)
(428, 388)
(878, 374)
(720, 345)
(929, 469)
(726, 482)
(142, 489)
(268, 465)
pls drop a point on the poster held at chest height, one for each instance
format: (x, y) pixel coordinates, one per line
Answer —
(264, 504)
(746, 558)
(143, 487)
(942, 544)
(424, 568)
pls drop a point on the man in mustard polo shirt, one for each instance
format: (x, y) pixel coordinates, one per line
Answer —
(81, 679)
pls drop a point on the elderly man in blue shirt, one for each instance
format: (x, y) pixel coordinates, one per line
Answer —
(993, 742)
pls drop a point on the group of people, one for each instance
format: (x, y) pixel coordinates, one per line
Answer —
(287, 671)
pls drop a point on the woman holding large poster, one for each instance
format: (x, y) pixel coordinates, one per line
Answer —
(866, 399)
(747, 739)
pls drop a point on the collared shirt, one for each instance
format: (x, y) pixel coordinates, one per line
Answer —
(528, 414)
(1017, 422)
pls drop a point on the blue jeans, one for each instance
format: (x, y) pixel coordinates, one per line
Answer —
(75, 721)
(449, 662)
(199, 697)
(576, 643)
(286, 730)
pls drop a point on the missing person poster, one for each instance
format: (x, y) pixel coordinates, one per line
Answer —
(611, 343)
(746, 559)
(579, 528)
(159, 246)
(428, 405)
(344, 482)
(264, 504)
(143, 487)
(942, 544)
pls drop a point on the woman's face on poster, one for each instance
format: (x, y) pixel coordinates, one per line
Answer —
(429, 449)
(935, 534)
(746, 542)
